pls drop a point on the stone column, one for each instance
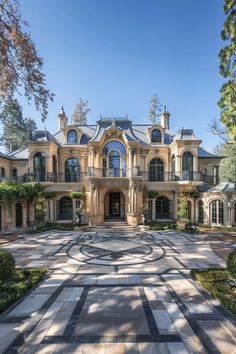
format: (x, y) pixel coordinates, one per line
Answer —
(195, 163)
(153, 216)
(177, 163)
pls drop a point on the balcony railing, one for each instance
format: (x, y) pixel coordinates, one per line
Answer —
(55, 177)
(176, 176)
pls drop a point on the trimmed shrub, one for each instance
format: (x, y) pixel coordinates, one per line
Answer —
(7, 265)
(231, 264)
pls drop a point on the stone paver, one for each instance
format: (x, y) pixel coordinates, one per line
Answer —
(117, 291)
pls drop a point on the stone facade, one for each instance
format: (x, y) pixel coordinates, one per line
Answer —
(114, 162)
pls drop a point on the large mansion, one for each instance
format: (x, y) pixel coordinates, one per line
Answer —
(114, 162)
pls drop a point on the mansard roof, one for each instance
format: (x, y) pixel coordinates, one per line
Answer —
(224, 187)
(185, 134)
(204, 153)
(44, 135)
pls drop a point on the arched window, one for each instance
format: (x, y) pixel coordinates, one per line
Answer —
(156, 136)
(217, 212)
(72, 170)
(200, 212)
(14, 173)
(72, 137)
(162, 208)
(114, 145)
(2, 172)
(187, 165)
(65, 209)
(156, 170)
(189, 210)
(114, 164)
(39, 166)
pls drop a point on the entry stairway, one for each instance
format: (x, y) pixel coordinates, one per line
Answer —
(116, 226)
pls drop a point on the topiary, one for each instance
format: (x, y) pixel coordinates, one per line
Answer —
(231, 264)
(7, 265)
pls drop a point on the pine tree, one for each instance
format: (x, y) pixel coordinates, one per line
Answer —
(16, 130)
(20, 65)
(227, 56)
(227, 171)
(80, 112)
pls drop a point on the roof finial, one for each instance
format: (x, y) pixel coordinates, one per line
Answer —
(164, 109)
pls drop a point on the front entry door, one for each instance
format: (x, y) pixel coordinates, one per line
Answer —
(114, 204)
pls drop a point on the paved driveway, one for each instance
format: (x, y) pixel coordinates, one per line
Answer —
(117, 291)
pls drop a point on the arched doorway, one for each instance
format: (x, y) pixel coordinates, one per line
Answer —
(19, 215)
(114, 205)
(65, 209)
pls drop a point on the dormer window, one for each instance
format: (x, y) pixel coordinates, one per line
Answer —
(72, 137)
(156, 136)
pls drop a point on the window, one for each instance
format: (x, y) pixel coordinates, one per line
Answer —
(189, 210)
(2, 172)
(187, 161)
(72, 137)
(200, 212)
(14, 172)
(114, 145)
(217, 212)
(114, 164)
(216, 174)
(72, 170)
(39, 166)
(162, 208)
(156, 136)
(156, 170)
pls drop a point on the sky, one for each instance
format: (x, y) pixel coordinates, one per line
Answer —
(117, 53)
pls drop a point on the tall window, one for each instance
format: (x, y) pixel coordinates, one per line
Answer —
(14, 172)
(156, 136)
(72, 171)
(200, 212)
(216, 174)
(156, 170)
(187, 165)
(2, 172)
(162, 208)
(189, 210)
(39, 166)
(217, 212)
(114, 160)
(72, 137)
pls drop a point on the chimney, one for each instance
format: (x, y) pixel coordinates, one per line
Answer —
(62, 119)
(165, 116)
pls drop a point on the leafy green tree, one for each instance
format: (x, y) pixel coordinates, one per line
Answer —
(227, 56)
(20, 65)
(80, 112)
(227, 169)
(16, 130)
(182, 206)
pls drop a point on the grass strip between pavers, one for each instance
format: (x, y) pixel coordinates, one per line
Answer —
(217, 282)
(21, 282)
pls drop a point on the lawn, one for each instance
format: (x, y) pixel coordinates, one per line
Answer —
(219, 284)
(22, 280)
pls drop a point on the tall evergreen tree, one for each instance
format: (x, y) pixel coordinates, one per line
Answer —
(80, 112)
(227, 171)
(16, 130)
(227, 56)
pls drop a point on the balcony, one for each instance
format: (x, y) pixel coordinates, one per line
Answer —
(107, 172)
(176, 177)
(55, 177)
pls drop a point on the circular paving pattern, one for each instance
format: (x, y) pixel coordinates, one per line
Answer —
(111, 250)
